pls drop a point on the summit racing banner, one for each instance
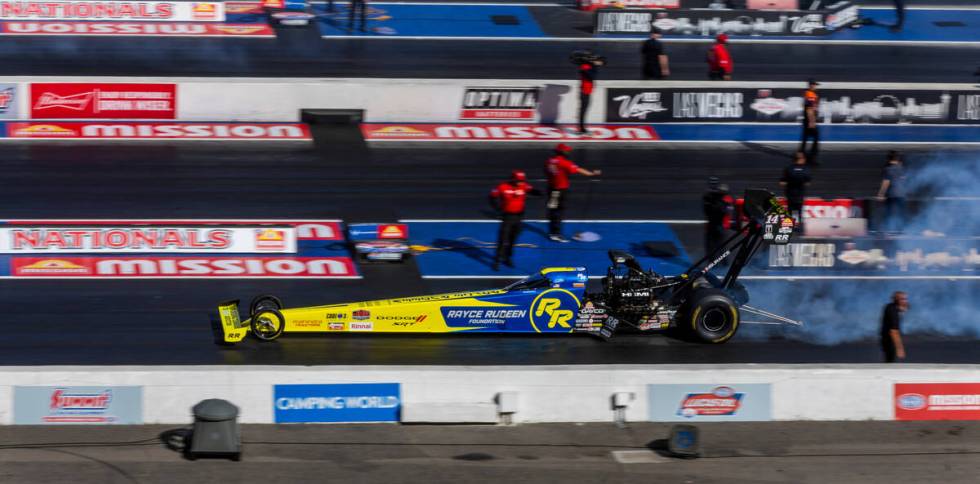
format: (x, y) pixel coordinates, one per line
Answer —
(503, 132)
(150, 131)
(137, 29)
(937, 401)
(782, 105)
(244, 240)
(182, 267)
(144, 11)
(709, 22)
(110, 101)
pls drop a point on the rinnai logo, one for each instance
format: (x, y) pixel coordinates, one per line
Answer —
(75, 102)
(361, 326)
(194, 267)
(500, 103)
(63, 401)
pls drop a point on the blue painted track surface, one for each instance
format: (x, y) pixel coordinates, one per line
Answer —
(468, 248)
(434, 21)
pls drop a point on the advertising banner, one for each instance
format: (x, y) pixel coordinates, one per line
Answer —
(153, 267)
(710, 22)
(169, 131)
(500, 103)
(110, 101)
(321, 230)
(109, 10)
(597, 4)
(709, 403)
(242, 240)
(349, 402)
(78, 405)
(782, 105)
(937, 401)
(136, 29)
(920, 256)
(8, 102)
(502, 132)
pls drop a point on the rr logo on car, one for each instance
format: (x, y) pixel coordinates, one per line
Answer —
(552, 307)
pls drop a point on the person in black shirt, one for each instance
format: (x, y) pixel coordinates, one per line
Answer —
(718, 208)
(794, 181)
(811, 113)
(355, 7)
(891, 327)
(655, 63)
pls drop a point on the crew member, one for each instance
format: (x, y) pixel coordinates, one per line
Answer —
(891, 327)
(811, 112)
(557, 169)
(655, 62)
(355, 7)
(719, 61)
(892, 191)
(508, 199)
(719, 206)
(587, 71)
(794, 181)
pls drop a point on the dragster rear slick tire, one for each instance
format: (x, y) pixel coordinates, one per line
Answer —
(711, 316)
(268, 324)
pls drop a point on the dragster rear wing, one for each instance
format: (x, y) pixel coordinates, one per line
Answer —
(233, 329)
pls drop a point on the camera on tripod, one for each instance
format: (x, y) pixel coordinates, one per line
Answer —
(580, 57)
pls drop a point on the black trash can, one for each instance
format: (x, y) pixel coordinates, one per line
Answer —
(216, 432)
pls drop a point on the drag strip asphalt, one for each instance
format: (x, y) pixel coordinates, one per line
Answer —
(302, 53)
(167, 322)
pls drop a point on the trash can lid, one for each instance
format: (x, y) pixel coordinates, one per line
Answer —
(215, 409)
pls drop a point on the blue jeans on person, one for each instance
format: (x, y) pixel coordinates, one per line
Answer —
(894, 214)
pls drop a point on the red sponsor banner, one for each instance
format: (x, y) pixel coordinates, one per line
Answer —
(109, 101)
(497, 114)
(182, 267)
(321, 230)
(504, 132)
(244, 7)
(136, 29)
(937, 401)
(115, 239)
(112, 10)
(820, 208)
(129, 130)
(596, 4)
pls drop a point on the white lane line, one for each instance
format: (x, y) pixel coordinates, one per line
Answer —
(935, 43)
(603, 221)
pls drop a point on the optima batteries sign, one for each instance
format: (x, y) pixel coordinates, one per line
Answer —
(709, 403)
(348, 402)
(245, 240)
(78, 405)
(504, 103)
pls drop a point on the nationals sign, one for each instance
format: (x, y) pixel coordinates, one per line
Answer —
(244, 240)
(113, 11)
(109, 101)
(153, 267)
(937, 401)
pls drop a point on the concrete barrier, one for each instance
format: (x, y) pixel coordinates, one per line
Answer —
(537, 394)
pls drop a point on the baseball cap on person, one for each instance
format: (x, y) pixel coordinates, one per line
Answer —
(722, 38)
(518, 175)
(563, 148)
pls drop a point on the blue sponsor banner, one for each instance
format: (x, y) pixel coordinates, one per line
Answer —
(66, 405)
(709, 403)
(344, 402)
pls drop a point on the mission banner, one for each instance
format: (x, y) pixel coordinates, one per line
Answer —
(784, 105)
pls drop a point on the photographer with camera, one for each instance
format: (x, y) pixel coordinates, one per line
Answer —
(588, 68)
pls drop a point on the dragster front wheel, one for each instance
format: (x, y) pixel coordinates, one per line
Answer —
(268, 324)
(713, 316)
(264, 301)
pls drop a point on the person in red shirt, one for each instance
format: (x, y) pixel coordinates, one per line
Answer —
(557, 169)
(509, 199)
(719, 61)
(587, 72)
